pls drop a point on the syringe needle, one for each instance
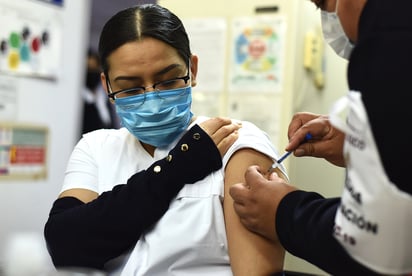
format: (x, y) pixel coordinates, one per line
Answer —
(308, 136)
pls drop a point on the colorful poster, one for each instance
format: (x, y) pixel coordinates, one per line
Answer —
(23, 151)
(258, 54)
(30, 40)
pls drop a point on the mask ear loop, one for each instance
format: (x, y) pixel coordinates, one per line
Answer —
(189, 69)
(188, 83)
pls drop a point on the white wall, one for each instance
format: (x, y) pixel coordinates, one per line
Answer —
(25, 204)
(313, 174)
(300, 94)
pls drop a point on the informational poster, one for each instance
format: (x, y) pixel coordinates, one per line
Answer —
(208, 41)
(257, 54)
(30, 39)
(23, 151)
(8, 98)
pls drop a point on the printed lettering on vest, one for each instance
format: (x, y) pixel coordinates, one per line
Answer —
(359, 221)
(357, 196)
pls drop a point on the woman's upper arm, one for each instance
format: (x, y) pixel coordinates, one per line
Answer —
(81, 169)
(250, 254)
(82, 194)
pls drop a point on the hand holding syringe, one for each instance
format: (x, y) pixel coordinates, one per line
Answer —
(283, 157)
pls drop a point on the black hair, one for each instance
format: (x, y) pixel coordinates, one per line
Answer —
(138, 22)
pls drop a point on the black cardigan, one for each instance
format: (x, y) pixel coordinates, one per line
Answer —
(89, 235)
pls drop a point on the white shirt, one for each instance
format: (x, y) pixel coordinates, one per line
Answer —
(190, 238)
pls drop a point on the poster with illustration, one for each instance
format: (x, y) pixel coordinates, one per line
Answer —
(257, 54)
(30, 39)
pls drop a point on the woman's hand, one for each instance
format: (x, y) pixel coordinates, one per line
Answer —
(223, 132)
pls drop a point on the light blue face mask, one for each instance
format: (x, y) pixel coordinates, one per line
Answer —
(334, 34)
(156, 118)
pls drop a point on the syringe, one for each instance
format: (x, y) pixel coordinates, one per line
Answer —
(308, 136)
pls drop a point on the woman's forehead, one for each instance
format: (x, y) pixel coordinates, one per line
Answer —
(146, 52)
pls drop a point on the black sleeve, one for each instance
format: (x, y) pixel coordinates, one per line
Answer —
(380, 68)
(89, 235)
(305, 225)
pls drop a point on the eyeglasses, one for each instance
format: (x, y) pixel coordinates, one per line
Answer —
(158, 87)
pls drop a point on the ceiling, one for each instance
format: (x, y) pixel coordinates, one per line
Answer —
(102, 10)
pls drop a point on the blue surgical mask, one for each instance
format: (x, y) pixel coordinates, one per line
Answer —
(334, 34)
(156, 118)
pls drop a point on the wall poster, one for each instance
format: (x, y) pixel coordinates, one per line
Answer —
(23, 151)
(8, 98)
(208, 40)
(30, 39)
(257, 54)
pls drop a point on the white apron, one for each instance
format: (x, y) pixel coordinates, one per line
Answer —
(374, 220)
